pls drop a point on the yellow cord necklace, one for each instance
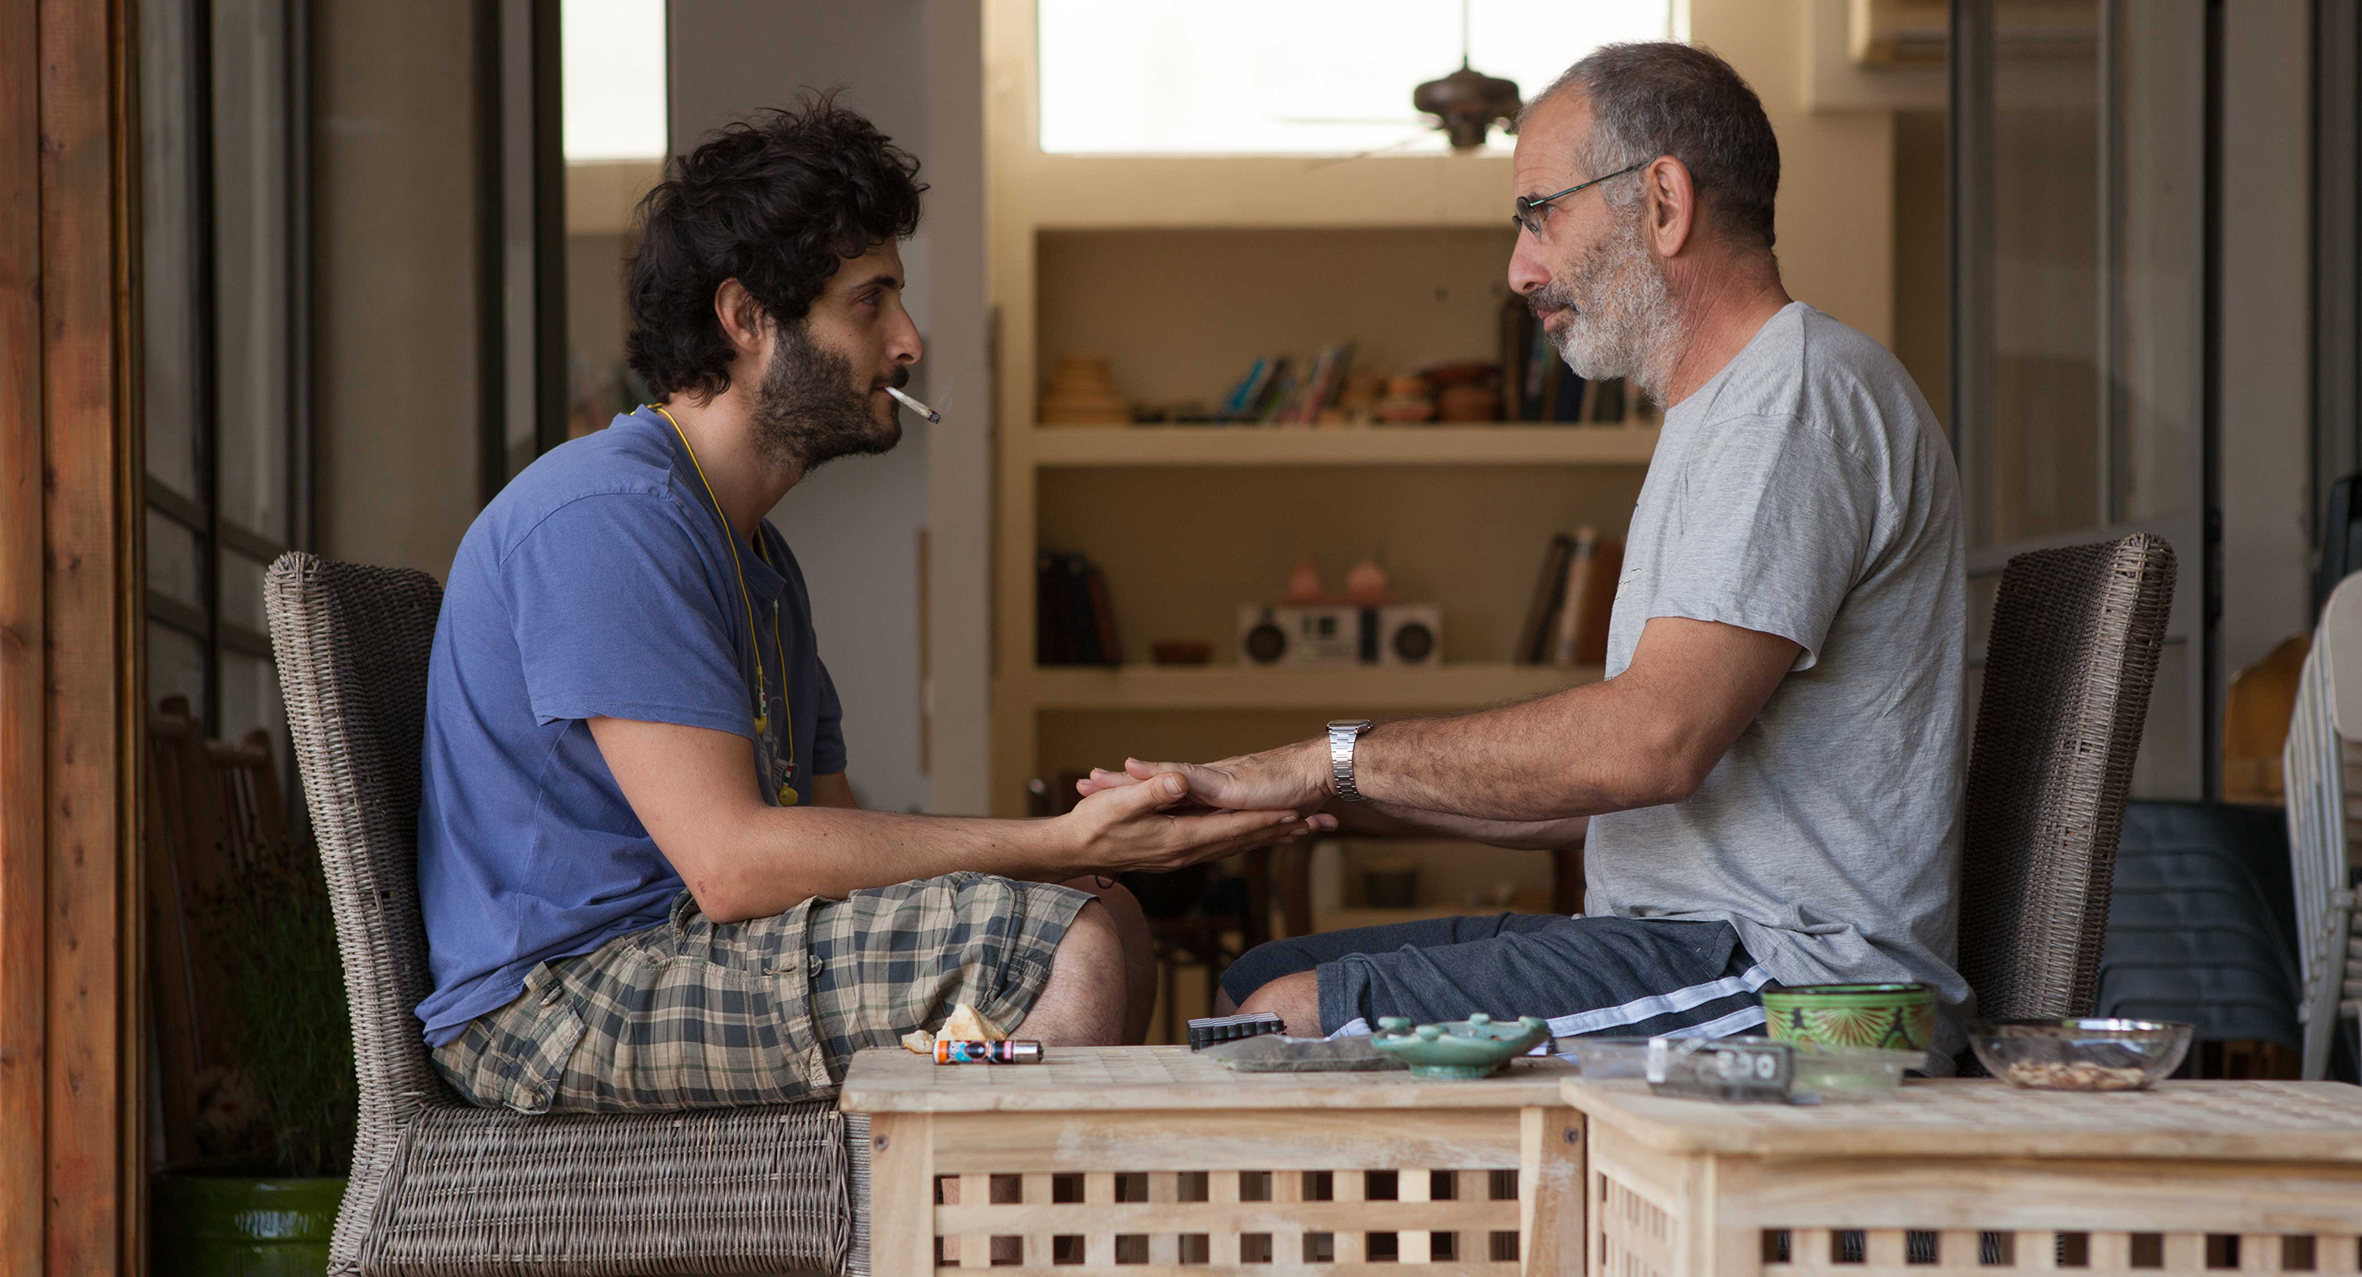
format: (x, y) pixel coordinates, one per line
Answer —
(787, 792)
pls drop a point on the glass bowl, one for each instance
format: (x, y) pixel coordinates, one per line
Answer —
(2080, 1055)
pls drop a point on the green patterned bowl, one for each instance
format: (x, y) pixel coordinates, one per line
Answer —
(1460, 1049)
(1895, 1017)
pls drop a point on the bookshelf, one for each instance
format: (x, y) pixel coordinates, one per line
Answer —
(1180, 271)
(1377, 445)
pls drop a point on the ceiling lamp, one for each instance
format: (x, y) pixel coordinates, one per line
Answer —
(1467, 103)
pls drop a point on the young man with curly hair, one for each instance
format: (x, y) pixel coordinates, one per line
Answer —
(645, 881)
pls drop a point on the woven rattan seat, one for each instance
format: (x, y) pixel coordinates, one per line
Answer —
(440, 1187)
(2073, 651)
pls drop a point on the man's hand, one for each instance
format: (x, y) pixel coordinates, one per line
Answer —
(1295, 777)
(1527, 774)
(1132, 826)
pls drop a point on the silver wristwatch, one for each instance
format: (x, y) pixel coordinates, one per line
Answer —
(1343, 733)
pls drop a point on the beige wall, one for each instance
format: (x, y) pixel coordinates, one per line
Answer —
(393, 270)
(1922, 257)
(1836, 217)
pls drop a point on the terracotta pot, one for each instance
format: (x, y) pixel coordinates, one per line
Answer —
(1468, 401)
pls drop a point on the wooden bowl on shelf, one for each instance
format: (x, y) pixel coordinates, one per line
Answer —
(1181, 652)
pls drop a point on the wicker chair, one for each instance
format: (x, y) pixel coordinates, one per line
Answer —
(2073, 651)
(438, 1185)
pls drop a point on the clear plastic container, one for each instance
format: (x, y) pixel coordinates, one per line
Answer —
(1605, 1059)
(1740, 1070)
(1841, 1073)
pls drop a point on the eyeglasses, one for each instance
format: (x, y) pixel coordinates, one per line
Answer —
(1530, 212)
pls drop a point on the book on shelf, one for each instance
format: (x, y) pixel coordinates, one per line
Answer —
(1539, 388)
(1567, 405)
(1597, 603)
(1607, 404)
(1534, 636)
(1322, 384)
(1074, 615)
(1517, 355)
(1276, 392)
(1244, 395)
(1259, 394)
(1564, 636)
(1566, 624)
(1108, 647)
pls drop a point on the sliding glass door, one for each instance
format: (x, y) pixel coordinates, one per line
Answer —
(225, 345)
(2080, 390)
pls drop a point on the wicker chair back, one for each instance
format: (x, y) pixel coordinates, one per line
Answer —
(352, 644)
(439, 1187)
(2068, 667)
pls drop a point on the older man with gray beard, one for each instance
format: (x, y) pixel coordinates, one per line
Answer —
(1770, 774)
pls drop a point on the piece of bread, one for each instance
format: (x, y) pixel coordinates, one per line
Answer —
(967, 1024)
(919, 1042)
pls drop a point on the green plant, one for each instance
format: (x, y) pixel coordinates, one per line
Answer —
(272, 922)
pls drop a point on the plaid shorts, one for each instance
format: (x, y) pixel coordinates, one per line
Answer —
(702, 1014)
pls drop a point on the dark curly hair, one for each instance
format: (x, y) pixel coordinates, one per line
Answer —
(777, 202)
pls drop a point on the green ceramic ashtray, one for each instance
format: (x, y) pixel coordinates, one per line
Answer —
(1893, 1017)
(1459, 1049)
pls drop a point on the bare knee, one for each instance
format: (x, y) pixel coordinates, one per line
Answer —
(1079, 1005)
(1295, 999)
(1123, 910)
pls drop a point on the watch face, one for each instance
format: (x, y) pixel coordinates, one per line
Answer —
(1350, 725)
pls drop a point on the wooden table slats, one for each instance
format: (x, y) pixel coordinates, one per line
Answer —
(1961, 1177)
(1154, 1161)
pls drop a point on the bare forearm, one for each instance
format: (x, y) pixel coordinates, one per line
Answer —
(1524, 835)
(772, 858)
(1649, 735)
(1565, 756)
(692, 788)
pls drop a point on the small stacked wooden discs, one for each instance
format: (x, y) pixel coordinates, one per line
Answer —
(1407, 399)
(1082, 394)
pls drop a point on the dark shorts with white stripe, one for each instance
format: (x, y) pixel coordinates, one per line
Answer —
(1612, 976)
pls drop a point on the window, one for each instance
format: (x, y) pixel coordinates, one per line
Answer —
(613, 54)
(227, 400)
(616, 136)
(1309, 77)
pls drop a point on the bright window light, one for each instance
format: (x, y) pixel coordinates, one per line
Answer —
(1297, 77)
(612, 53)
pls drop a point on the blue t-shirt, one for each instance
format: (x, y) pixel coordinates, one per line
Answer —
(598, 583)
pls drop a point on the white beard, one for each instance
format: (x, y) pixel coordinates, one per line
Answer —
(1624, 322)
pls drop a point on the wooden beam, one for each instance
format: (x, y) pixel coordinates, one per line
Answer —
(80, 419)
(68, 643)
(23, 795)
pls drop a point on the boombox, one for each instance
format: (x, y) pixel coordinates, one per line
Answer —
(1341, 634)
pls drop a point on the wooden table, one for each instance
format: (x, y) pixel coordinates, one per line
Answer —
(1957, 1176)
(1141, 1160)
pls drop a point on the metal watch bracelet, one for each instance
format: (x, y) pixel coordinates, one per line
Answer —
(1344, 734)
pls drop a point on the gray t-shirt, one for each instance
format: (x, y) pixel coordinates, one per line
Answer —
(1806, 491)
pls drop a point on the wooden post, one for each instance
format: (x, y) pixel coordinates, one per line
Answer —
(23, 858)
(70, 1187)
(901, 1194)
(1550, 1190)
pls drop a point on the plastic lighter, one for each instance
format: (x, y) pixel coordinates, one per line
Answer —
(951, 1051)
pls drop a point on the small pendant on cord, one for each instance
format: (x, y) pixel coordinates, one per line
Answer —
(787, 795)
